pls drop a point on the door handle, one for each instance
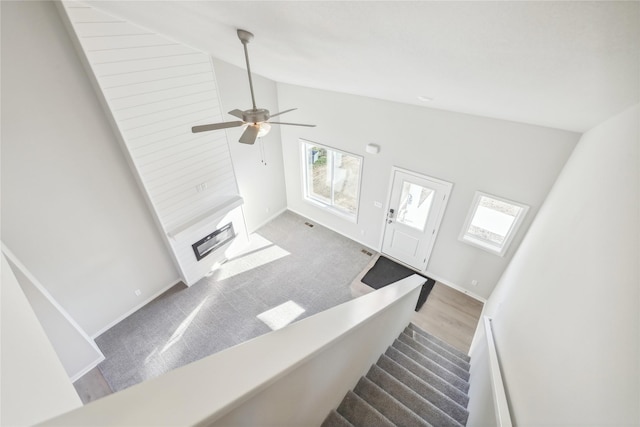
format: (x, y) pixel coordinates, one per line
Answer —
(390, 216)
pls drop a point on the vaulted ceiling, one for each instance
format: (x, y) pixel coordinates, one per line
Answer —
(566, 64)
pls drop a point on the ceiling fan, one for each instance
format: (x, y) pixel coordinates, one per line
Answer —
(256, 119)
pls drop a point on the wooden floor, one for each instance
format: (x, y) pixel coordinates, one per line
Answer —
(450, 315)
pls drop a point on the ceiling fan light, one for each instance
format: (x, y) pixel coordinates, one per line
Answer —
(254, 120)
(264, 129)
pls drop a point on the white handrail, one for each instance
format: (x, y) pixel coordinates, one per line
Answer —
(501, 406)
(258, 379)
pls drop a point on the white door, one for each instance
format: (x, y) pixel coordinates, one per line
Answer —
(415, 209)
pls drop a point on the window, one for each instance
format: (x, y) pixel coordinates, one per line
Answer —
(492, 222)
(332, 178)
(415, 204)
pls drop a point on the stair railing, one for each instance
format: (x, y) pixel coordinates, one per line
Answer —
(501, 405)
(312, 362)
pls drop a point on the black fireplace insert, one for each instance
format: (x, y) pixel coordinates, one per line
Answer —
(211, 242)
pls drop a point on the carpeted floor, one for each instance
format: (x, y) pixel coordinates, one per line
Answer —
(290, 272)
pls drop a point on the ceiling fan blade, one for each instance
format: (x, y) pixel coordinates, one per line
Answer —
(237, 113)
(291, 124)
(250, 134)
(282, 112)
(216, 126)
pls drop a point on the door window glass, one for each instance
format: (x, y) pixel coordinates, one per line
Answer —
(415, 203)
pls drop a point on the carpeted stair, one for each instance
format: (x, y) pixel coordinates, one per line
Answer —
(419, 381)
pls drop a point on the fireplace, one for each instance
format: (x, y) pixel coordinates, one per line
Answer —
(211, 242)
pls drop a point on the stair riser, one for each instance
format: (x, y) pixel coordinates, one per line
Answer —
(335, 420)
(430, 354)
(419, 381)
(428, 392)
(432, 366)
(420, 406)
(360, 413)
(427, 376)
(387, 404)
(436, 348)
(441, 343)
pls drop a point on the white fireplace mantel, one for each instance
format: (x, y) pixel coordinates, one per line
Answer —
(206, 217)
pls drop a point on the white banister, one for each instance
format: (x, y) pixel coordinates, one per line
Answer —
(501, 406)
(291, 376)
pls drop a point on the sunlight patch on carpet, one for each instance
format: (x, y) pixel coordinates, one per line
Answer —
(180, 330)
(259, 252)
(280, 316)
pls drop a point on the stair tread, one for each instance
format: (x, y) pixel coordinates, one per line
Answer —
(419, 381)
(432, 345)
(359, 413)
(439, 359)
(426, 410)
(432, 366)
(387, 404)
(427, 376)
(424, 389)
(334, 419)
(440, 342)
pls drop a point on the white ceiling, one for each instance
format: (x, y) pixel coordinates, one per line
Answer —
(568, 65)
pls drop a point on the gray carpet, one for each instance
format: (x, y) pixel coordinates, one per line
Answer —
(311, 266)
(395, 392)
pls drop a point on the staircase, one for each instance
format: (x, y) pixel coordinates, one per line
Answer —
(419, 381)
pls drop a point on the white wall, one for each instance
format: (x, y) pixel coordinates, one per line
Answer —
(566, 311)
(77, 352)
(71, 209)
(154, 89)
(511, 160)
(34, 384)
(259, 168)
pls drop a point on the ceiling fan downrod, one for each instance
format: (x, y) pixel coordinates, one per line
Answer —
(245, 37)
(256, 119)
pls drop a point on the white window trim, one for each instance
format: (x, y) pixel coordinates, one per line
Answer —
(318, 203)
(482, 244)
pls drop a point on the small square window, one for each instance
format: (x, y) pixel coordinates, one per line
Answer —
(331, 178)
(492, 222)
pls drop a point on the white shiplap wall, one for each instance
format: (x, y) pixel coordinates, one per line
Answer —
(157, 89)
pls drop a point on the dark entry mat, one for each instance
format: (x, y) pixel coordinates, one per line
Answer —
(386, 271)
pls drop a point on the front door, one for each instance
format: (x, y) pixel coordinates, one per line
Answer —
(415, 209)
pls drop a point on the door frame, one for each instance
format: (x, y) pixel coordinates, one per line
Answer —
(449, 188)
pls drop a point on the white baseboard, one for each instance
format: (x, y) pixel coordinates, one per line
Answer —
(134, 309)
(456, 287)
(333, 229)
(427, 273)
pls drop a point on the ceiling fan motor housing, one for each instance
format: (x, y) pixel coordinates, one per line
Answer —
(257, 115)
(254, 117)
